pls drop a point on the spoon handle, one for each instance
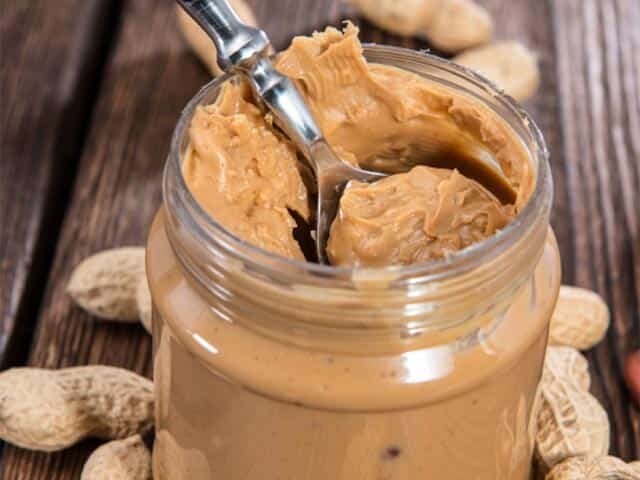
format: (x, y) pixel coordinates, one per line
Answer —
(287, 105)
(244, 48)
(237, 43)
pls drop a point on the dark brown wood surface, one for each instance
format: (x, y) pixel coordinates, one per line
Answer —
(49, 69)
(588, 108)
(598, 58)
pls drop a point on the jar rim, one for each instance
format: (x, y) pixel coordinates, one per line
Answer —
(456, 262)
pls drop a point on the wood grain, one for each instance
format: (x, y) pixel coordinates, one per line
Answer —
(51, 63)
(588, 109)
(149, 78)
(598, 58)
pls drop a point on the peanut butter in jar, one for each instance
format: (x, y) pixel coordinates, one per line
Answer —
(417, 353)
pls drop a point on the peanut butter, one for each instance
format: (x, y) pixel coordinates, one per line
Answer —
(245, 173)
(275, 370)
(234, 403)
(413, 217)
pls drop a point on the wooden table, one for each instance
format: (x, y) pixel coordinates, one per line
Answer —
(91, 90)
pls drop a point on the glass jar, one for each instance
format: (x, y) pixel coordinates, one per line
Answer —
(268, 368)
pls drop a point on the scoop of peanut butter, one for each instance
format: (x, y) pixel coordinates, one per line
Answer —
(244, 173)
(413, 217)
(441, 198)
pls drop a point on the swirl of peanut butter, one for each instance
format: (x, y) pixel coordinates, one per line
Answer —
(244, 173)
(440, 198)
(413, 217)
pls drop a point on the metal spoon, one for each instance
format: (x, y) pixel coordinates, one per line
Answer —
(244, 49)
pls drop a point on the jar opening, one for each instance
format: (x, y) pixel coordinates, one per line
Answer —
(179, 199)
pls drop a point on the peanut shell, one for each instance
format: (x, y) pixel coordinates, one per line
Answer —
(105, 283)
(566, 364)
(48, 410)
(571, 422)
(580, 319)
(602, 468)
(127, 459)
(450, 25)
(510, 65)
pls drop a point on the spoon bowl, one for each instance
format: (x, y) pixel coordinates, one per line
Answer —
(332, 176)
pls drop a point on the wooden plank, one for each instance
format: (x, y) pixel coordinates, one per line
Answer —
(598, 52)
(149, 78)
(50, 66)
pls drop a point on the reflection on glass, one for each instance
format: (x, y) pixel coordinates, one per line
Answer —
(427, 364)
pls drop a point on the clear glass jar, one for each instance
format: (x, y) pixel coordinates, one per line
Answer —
(268, 368)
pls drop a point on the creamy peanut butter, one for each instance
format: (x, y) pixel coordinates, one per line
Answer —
(244, 172)
(234, 403)
(261, 374)
(413, 217)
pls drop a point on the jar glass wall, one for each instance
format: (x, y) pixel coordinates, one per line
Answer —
(268, 368)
